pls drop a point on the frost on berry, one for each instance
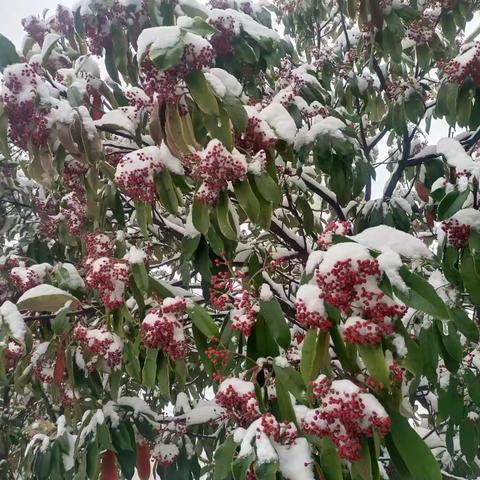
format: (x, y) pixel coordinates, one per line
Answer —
(244, 313)
(238, 399)
(346, 415)
(28, 124)
(163, 328)
(310, 309)
(215, 167)
(25, 278)
(74, 212)
(110, 277)
(165, 453)
(135, 173)
(349, 278)
(35, 27)
(333, 228)
(99, 344)
(163, 85)
(464, 66)
(459, 226)
(257, 136)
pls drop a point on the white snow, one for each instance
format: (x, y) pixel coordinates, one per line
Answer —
(309, 294)
(390, 263)
(277, 116)
(135, 255)
(42, 291)
(117, 119)
(329, 125)
(266, 293)
(10, 316)
(455, 154)
(204, 413)
(295, 461)
(75, 281)
(342, 251)
(384, 238)
(399, 344)
(240, 386)
(314, 259)
(232, 86)
(157, 39)
(468, 216)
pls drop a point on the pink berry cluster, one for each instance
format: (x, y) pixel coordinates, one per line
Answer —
(421, 31)
(333, 228)
(13, 353)
(346, 414)
(28, 124)
(63, 21)
(215, 167)
(45, 208)
(163, 328)
(135, 173)
(222, 41)
(198, 54)
(244, 313)
(288, 77)
(108, 275)
(466, 65)
(73, 174)
(99, 343)
(238, 399)
(35, 27)
(457, 233)
(257, 136)
(25, 277)
(165, 454)
(74, 212)
(281, 432)
(310, 310)
(352, 285)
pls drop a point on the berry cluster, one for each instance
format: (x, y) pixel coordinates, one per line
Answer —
(99, 342)
(28, 124)
(35, 27)
(257, 136)
(25, 278)
(238, 399)
(74, 212)
(349, 277)
(228, 28)
(333, 228)
(346, 414)
(310, 310)
(244, 313)
(466, 65)
(457, 233)
(421, 31)
(73, 174)
(163, 328)
(165, 453)
(110, 276)
(198, 54)
(215, 168)
(135, 173)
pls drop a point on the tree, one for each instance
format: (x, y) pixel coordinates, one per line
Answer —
(196, 281)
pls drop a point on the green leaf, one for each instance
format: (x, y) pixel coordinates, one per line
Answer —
(267, 187)
(8, 53)
(247, 199)
(473, 386)
(450, 339)
(144, 216)
(131, 360)
(272, 312)
(201, 93)
(237, 113)
(166, 58)
(469, 439)
(315, 354)
(140, 275)
(266, 470)
(329, 460)
(225, 222)
(291, 380)
(166, 192)
(149, 370)
(374, 360)
(200, 27)
(241, 465)
(451, 203)
(223, 459)
(44, 298)
(201, 216)
(411, 448)
(423, 56)
(203, 321)
(284, 402)
(421, 295)
(465, 324)
(471, 280)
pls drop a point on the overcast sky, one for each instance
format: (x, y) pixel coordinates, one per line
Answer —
(13, 11)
